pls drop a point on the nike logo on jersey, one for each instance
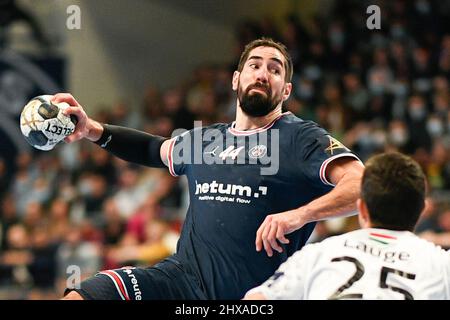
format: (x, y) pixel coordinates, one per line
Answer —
(212, 152)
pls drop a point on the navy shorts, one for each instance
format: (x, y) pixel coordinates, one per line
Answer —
(167, 280)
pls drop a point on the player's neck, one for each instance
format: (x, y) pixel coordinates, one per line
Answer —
(245, 122)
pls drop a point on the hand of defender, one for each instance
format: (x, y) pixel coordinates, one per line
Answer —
(274, 228)
(84, 127)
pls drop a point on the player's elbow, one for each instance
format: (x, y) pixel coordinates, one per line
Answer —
(356, 172)
(351, 177)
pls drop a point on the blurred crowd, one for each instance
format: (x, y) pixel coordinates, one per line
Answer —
(375, 90)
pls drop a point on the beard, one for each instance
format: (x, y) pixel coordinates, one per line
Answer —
(257, 104)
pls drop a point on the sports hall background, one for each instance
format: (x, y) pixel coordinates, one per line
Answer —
(158, 65)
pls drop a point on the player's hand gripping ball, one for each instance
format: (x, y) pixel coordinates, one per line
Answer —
(43, 123)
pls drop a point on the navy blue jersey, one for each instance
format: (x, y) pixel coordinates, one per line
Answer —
(237, 178)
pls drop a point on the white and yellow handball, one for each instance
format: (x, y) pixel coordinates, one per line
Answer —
(43, 123)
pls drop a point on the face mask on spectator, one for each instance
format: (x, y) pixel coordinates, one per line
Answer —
(435, 127)
(397, 31)
(422, 85)
(337, 38)
(376, 88)
(417, 113)
(85, 188)
(379, 138)
(365, 140)
(400, 89)
(305, 90)
(398, 137)
(313, 72)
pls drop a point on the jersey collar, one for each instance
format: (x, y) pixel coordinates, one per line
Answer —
(236, 132)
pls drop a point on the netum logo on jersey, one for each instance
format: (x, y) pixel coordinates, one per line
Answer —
(213, 146)
(207, 190)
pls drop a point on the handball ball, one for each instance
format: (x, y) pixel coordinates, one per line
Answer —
(43, 123)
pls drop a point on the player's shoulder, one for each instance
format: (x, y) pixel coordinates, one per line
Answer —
(218, 126)
(398, 238)
(215, 126)
(338, 240)
(437, 258)
(201, 130)
(315, 252)
(430, 247)
(297, 125)
(327, 242)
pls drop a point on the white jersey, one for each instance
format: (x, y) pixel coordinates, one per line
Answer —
(363, 264)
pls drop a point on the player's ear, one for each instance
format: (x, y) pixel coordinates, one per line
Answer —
(287, 91)
(235, 81)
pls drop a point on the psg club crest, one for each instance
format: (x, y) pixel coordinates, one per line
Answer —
(257, 152)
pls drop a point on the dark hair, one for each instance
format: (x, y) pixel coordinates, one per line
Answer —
(268, 42)
(393, 187)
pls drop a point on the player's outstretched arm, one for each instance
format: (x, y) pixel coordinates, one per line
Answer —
(346, 175)
(126, 143)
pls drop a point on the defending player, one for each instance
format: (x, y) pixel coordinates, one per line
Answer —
(384, 260)
(257, 183)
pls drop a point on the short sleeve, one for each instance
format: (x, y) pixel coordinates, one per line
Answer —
(315, 150)
(180, 153)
